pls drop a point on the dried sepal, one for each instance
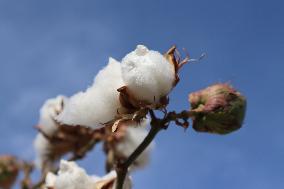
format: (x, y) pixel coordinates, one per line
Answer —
(128, 100)
(173, 56)
(68, 139)
(9, 169)
(133, 109)
(115, 125)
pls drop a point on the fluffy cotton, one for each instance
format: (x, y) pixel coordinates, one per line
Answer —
(71, 176)
(147, 74)
(99, 103)
(50, 109)
(133, 138)
(42, 147)
(110, 178)
(50, 180)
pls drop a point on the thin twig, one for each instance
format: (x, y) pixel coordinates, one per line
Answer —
(173, 116)
(122, 168)
(156, 125)
(27, 169)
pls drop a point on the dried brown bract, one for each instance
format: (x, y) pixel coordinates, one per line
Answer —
(9, 169)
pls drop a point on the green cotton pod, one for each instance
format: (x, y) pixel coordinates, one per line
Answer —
(217, 109)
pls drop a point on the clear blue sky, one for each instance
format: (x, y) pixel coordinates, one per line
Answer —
(57, 47)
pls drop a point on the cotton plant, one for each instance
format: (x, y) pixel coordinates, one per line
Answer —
(120, 110)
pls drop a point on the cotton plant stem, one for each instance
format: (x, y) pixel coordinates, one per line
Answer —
(173, 116)
(27, 169)
(156, 125)
(122, 169)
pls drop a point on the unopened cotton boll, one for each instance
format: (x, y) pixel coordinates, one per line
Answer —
(71, 176)
(50, 109)
(147, 74)
(218, 109)
(99, 103)
(134, 136)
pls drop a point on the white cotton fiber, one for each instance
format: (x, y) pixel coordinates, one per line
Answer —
(133, 138)
(50, 180)
(50, 109)
(147, 74)
(110, 178)
(99, 103)
(72, 176)
(42, 147)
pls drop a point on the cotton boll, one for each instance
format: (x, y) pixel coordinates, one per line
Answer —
(42, 147)
(48, 112)
(99, 103)
(71, 176)
(133, 138)
(147, 74)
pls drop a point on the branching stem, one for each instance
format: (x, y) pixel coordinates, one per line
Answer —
(156, 125)
(122, 168)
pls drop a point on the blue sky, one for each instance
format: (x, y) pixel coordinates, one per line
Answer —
(57, 47)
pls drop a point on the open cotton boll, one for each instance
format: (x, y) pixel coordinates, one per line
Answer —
(99, 103)
(71, 176)
(147, 74)
(50, 109)
(42, 147)
(133, 138)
